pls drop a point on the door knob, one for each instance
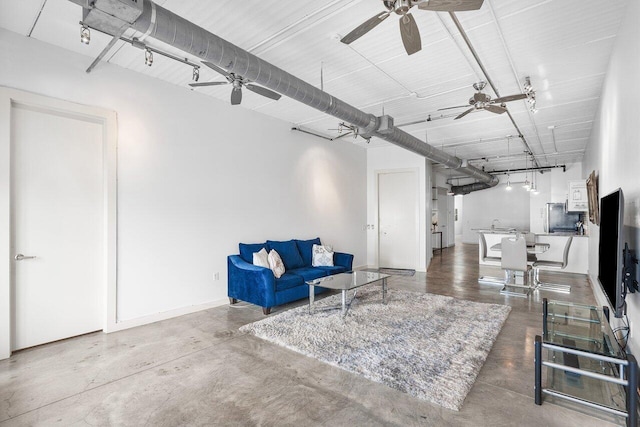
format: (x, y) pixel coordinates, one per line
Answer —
(20, 257)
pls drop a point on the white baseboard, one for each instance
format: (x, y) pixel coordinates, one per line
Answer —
(145, 320)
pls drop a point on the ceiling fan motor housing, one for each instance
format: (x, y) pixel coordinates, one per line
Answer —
(403, 6)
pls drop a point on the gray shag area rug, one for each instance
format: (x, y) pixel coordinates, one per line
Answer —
(429, 346)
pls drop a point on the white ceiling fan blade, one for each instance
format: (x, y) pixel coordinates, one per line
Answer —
(263, 91)
(451, 108)
(509, 98)
(465, 113)
(410, 34)
(364, 28)
(495, 109)
(451, 5)
(208, 84)
(236, 96)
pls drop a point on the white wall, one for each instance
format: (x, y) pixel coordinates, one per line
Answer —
(396, 158)
(195, 177)
(510, 208)
(614, 150)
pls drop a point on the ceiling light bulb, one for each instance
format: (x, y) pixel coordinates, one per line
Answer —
(85, 35)
(508, 187)
(148, 57)
(526, 185)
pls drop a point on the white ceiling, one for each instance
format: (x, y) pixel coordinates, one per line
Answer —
(563, 45)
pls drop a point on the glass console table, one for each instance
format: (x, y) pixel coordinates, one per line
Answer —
(585, 364)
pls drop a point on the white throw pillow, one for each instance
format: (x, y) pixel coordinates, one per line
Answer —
(261, 259)
(322, 256)
(275, 264)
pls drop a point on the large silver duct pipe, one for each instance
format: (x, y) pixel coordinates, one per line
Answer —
(166, 26)
(466, 189)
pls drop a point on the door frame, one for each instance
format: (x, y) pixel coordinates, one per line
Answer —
(416, 172)
(108, 119)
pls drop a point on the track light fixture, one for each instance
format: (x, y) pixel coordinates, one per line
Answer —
(196, 74)
(531, 94)
(85, 34)
(148, 57)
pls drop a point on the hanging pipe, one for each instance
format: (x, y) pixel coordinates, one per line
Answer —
(161, 24)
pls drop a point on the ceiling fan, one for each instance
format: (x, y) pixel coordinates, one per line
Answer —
(482, 101)
(408, 27)
(238, 83)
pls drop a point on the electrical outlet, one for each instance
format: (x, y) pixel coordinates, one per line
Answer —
(216, 276)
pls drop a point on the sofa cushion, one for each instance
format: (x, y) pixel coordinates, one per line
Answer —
(261, 258)
(248, 249)
(305, 247)
(322, 256)
(275, 264)
(288, 281)
(288, 251)
(309, 273)
(333, 269)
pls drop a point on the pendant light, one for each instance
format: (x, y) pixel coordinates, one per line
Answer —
(526, 185)
(534, 187)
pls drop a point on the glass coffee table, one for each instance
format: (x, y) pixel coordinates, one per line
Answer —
(345, 282)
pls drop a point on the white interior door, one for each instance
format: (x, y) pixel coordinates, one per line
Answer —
(57, 217)
(398, 220)
(451, 229)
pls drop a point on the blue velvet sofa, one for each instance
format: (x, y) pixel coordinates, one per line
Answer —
(258, 285)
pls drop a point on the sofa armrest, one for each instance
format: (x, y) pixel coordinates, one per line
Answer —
(343, 260)
(248, 282)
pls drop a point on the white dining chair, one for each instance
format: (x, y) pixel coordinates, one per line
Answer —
(514, 259)
(486, 258)
(559, 265)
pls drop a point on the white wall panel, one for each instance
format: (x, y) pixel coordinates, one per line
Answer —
(196, 176)
(613, 150)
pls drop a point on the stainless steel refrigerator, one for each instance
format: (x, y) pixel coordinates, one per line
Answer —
(558, 220)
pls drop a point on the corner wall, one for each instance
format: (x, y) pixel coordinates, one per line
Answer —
(614, 150)
(195, 177)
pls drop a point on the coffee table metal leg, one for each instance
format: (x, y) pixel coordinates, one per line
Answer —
(384, 291)
(344, 302)
(312, 294)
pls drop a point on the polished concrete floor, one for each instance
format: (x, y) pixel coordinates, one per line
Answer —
(199, 370)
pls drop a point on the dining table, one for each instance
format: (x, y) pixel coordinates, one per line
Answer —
(534, 248)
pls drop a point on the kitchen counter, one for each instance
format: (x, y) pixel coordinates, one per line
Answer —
(562, 234)
(499, 230)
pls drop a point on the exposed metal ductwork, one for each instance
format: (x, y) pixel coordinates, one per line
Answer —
(161, 24)
(468, 188)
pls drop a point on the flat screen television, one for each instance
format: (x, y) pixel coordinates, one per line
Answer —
(610, 255)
